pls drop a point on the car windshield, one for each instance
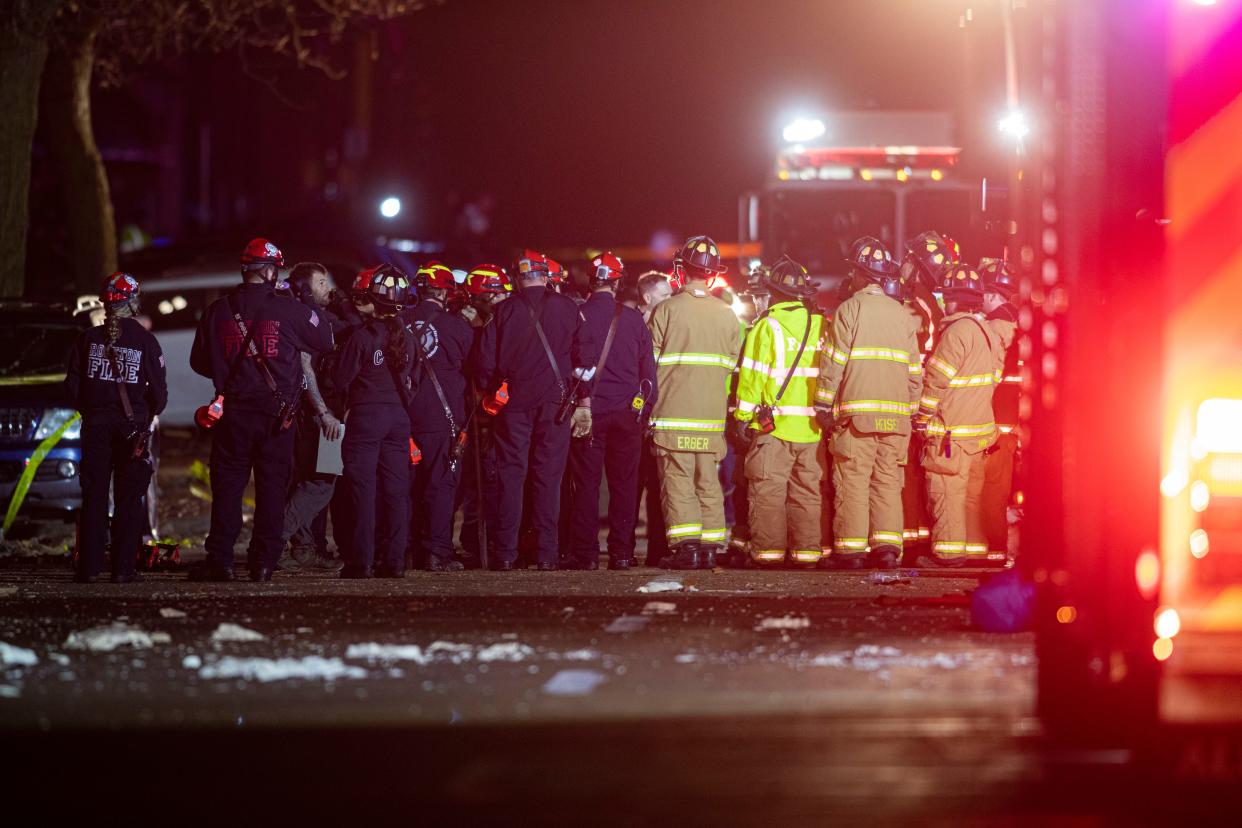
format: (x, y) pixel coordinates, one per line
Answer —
(30, 350)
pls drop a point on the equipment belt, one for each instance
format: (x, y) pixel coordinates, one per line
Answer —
(793, 369)
(435, 381)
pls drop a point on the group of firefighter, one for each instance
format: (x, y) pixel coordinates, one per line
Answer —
(502, 395)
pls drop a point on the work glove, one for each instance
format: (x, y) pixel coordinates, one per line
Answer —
(581, 422)
(824, 417)
(330, 426)
(741, 433)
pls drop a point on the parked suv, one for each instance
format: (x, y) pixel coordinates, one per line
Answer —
(35, 341)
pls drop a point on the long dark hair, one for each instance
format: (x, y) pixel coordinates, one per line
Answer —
(396, 348)
(112, 324)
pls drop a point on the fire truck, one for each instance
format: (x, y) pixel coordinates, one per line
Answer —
(887, 174)
(1130, 241)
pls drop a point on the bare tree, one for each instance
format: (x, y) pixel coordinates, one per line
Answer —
(109, 39)
(24, 29)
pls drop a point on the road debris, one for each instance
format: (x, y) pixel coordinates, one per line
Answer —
(169, 612)
(13, 656)
(107, 638)
(233, 633)
(659, 608)
(785, 622)
(662, 586)
(574, 682)
(627, 624)
(281, 669)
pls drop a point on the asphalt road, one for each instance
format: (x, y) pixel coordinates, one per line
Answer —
(751, 698)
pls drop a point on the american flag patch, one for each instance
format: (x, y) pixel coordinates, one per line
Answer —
(314, 320)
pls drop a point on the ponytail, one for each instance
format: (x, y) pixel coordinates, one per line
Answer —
(112, 325)
(396, 352)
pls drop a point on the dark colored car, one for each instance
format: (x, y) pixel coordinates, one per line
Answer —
(35, 340)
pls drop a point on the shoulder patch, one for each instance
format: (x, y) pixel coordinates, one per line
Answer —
(314, 319)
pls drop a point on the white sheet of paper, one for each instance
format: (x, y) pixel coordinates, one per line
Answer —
(329, 458)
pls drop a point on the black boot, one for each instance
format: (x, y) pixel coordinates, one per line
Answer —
(707, 555)
(209, 571)
(435, 564)
(684, 555)
(884, 557)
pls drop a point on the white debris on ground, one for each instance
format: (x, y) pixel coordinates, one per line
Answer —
(573, 682)
(13, 656)
(627, 624)
(785, 622)
(233, 633)
(192, 662)
(281, 669)
(686, 658)
(107, 638)
(659, 608)
(7, 591)
(662, 586)
(169, 612)
(442, 651)
(575, 655)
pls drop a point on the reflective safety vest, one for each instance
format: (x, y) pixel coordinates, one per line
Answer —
(871, 371)
(697, 339)
(768, 357)
(962, 374)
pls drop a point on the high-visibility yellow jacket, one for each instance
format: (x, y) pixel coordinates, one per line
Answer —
(961, 376)
(870, 371)
(697, 340)
(768, 357)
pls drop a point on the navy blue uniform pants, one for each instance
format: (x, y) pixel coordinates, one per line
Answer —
(479, 492)
(530, 442)
(107, 459)
(649, 483)
(614, 448)
(244, 441)
(376, 454)
(433, 495)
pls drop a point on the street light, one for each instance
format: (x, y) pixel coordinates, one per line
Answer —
(390, 207)
(803, 129)
(1015, 125)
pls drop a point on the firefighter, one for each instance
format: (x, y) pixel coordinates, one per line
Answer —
(376, 372)
(488, 285)
(305, 547)
(775, 418)
(697, 342)
(870, 375)
(535, 347)
(1000, 285)
(442, 343)
(955, 414)
(249, 343)
(623, 385)
(116, 379)
(653, 288)
(927, 257)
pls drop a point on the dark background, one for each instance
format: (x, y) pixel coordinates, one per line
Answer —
(584, 123)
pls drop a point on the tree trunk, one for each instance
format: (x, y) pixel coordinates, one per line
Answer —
(23, 51)
(85, 196)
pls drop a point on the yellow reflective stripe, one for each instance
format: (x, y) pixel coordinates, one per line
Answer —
(949, 549)
(683, 529)
(825, 394)
(977, 380)
(767, 555)
(889, 354)
(839, 357)
(874, 406)
(916, 369)
(713, 360)
(676, 424)
(806, 555)
(714, 534)
(776, 372)
(929, 402)
(793, 411)
(962, 430)
(878, 538)
(977, 549)
(748, 407)
(850, 544)
(34, 379)
(942, 366)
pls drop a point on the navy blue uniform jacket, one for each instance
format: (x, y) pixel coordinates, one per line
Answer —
(446, 340)
(630, 358)
(510, 349)
(283, 328)
(91, 380)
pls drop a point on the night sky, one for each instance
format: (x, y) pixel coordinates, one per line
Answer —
(589, 121)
